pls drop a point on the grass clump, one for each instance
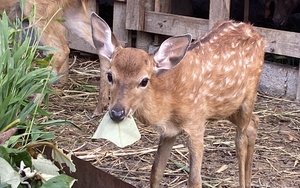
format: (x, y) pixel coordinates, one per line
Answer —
(20, 80)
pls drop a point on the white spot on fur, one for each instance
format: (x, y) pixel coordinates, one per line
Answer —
(220, 99)
(259, 43)
(194, 90)
(226, 56)
(232, 28)
(210, 83)
(240, 62)
(234, 62)
(228, 81)
(194, 76)
(196, 101)
(209, 65)
(248, 32)
(228, 68)
(191, 96)
(234, 44)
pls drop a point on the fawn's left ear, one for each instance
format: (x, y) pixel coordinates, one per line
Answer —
(104, 41)
(171, 51)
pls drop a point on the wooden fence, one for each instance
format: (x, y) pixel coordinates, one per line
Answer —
(149, 17)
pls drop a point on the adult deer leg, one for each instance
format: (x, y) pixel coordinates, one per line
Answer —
(54, 35)
(103, 98)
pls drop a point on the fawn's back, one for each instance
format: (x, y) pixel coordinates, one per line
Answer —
(212, 80)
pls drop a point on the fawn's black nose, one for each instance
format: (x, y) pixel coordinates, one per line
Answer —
(117, 113)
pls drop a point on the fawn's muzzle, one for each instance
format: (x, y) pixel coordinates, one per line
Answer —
(117, 114)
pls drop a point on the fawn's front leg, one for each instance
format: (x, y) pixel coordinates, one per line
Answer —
(161, 158)
(196, 148)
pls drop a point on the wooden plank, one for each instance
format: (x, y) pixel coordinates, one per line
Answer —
(169, 24)
(246, 11)
(218, 10)
(162, 6)
(281, 42)
(135, 14)
(165, 7)
(278, 42)
(79, 44)
(119, 27)
(143, 39)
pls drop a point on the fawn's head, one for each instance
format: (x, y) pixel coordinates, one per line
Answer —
(131, 69)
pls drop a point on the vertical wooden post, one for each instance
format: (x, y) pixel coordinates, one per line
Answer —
(165, 7)
(218, 10)
(119, 27)
(162, 6)
(143, 39)
(246, 11)
(298, 88)
(135, 14)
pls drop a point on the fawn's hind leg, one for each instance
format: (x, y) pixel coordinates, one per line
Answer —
(246, 131)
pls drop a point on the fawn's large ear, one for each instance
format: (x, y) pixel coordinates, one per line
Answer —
(104, 41)
(171, 51)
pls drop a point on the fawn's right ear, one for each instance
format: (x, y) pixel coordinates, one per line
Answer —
(171, 52)
(104, 41)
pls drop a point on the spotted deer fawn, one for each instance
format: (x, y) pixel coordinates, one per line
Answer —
(183, 84)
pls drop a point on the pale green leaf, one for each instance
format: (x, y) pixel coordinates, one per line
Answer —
(59, 156)
(8, 174)
(122, 134)
(45, 166)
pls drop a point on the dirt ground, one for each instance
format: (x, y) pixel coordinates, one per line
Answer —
(277, 151)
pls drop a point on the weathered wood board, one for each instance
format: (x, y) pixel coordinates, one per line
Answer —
(169, 24)
(278, 42)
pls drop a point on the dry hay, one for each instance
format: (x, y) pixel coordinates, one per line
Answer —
(276, 158)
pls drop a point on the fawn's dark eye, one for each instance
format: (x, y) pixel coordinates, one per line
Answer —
(144, 82)
(109, 77)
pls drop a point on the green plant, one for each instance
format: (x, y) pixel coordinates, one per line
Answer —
(20, 79)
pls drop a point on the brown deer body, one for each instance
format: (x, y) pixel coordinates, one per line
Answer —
(76, 16)
(182, 85)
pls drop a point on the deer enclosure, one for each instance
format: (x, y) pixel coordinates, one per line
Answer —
(276, 156)
(145, 23)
